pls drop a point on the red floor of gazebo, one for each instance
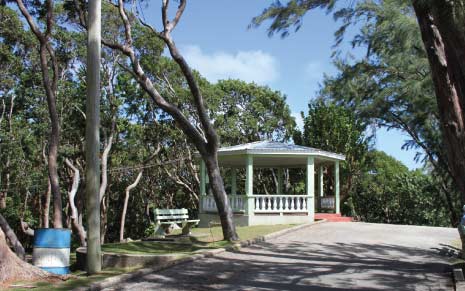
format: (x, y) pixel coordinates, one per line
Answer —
(332, 217)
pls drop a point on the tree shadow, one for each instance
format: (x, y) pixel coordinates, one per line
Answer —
(309, 266)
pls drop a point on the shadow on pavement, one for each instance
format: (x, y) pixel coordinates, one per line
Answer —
(310, 266)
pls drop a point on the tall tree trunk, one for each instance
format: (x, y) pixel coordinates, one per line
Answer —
(221, 199)
(93, 138)
(2, 192)
(10, 234)
(50, 85)
(46, 205)
(104, 218)
(104, 201)
(53, 140)
(78, 228)
(125, 205)
(47, 196)
(132, 186)
(443, 35)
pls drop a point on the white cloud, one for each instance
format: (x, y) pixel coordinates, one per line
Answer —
(298, 120)
(251, 66)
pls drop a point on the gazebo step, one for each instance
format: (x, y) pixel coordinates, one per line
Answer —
(332, 217)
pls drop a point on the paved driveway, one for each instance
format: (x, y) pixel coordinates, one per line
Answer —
(327, 256)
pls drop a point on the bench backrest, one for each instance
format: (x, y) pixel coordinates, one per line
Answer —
(171, 214)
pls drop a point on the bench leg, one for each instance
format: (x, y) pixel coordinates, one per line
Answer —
(186, 229)
(159, 231)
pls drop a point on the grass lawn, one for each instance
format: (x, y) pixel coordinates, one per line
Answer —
(203, 238)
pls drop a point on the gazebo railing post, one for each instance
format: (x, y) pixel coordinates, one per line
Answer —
(310, 185)
(249, 186)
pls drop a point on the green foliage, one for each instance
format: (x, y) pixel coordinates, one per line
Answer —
(249, 112)
(334, 128)
(391, 85)
(283, 17)
(150, 230)
(389, 193)
(138, 127)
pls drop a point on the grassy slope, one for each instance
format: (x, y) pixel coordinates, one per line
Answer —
(203, 239)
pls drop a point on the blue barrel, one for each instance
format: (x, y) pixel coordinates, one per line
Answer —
(51, 249)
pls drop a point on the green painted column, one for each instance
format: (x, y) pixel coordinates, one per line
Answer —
(233, 181)
(280, 181)
(311, 187)
(320, 187)
(203, 180)
(249, 185)
(336, 187)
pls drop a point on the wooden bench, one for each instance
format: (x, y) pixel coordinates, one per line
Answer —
(169, 219)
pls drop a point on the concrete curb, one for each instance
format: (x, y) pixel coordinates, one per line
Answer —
(205, 254)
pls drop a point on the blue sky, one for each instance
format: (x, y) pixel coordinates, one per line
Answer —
(215, 40)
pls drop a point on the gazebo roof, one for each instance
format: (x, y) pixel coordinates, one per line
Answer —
(270, 153)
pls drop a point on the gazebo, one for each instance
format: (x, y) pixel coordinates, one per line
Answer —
(279, 208)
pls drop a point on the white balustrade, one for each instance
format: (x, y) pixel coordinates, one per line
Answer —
(262, 203)
(236, 202)
(280, 203)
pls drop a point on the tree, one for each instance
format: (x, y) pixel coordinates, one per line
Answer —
(442, 26)
(335, 128)
(128, 190)
(47, 60)
(443, 36)
(204, 138)
(10, 234)
(13, 268)
(386, 91)
(389, 193)
(246, 112)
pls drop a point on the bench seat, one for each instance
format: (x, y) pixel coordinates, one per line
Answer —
(168, 219)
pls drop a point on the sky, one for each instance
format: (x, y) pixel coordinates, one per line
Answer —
(214, 37)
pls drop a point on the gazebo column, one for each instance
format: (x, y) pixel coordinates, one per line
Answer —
(250, 206)
(336, 186)
(320, 186)
(280, 181)
(311, 187)
(233, 182)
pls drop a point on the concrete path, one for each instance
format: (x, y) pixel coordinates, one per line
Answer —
(327, 256)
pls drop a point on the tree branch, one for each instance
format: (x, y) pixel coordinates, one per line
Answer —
(146, 83)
